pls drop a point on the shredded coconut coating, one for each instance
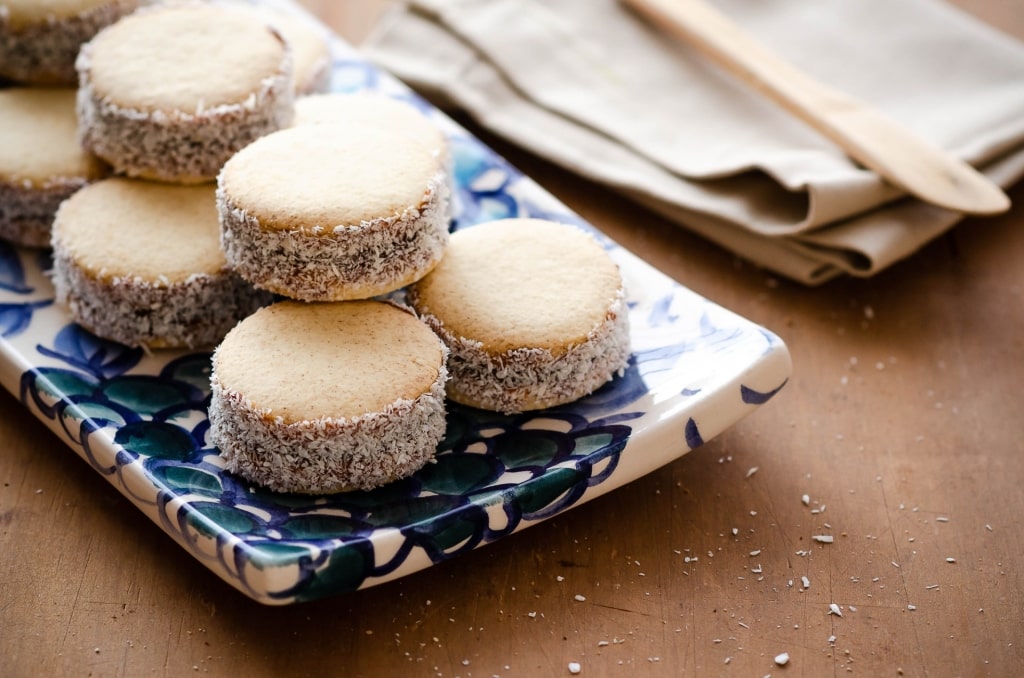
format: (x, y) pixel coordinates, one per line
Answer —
(26, 212)
(327, 455)
(533, 378)
(180, 146)
(44, 54)
(349, 262)
(196, 313)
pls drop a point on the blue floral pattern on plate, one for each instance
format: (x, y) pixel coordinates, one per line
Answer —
(140, 420)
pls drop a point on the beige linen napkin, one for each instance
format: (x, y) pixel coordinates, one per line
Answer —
(590, 85)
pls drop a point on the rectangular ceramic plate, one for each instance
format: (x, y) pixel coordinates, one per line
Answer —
(140, 420)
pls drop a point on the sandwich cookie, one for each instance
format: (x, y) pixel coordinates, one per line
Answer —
(39, 39)
(322, 398)
(533, 313)
(172, 91)
(334, 212)
(139, 262)
(41, 162)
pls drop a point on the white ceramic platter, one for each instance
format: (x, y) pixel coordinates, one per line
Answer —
(140, 420)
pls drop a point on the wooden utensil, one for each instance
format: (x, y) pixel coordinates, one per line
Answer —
(896, 153)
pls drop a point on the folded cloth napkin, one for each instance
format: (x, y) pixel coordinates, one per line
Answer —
(595, 88)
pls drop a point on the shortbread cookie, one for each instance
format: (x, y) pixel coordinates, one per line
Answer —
(310, 51)
(139, 262)
(334, 212)
(39, 39)
(533, 312)
(41, 162)
(172, 91)
(321, 398)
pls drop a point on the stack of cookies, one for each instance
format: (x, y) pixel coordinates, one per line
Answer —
(334, 388)
(160, 95)
(200, 176)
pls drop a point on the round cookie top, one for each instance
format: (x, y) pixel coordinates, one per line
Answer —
(126, 227)
(299, 361)
(317, 177)
(521, 283)
(38, 138)
(22, 13)
(186, 57)
(363, 109)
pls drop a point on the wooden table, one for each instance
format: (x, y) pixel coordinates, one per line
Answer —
(903, 425)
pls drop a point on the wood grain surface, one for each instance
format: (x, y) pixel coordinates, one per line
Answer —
(901, 433)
